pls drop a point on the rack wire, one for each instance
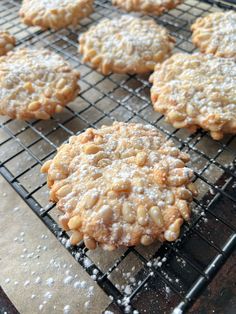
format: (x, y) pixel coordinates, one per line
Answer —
(163, 277)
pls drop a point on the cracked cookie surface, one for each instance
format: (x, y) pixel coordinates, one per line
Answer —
(196, 91)
(155, 7)
(120, 185)
(54, 14)
(125, 44)
(216, 34)
(34, 84)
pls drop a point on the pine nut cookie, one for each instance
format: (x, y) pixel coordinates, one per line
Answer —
(155, 7)
(125, 44)
(120, 185)
(34, 84)
(7, 42)
(54, 14)
(196, 91)
(216, 34)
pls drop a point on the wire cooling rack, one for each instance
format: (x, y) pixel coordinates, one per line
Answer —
(156, 279)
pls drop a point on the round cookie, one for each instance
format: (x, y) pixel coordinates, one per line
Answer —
(34, 84)
(155, 7)
(54, 14)
(120, 185)
(196, 91)
(7, 42)
(125, 44)
(216, 34)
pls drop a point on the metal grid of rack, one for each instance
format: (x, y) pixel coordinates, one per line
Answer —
(168, 276)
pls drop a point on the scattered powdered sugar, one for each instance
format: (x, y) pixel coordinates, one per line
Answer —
(38, 283)
(50, 282)
(68, 280)
(177, 311)
(67, 309)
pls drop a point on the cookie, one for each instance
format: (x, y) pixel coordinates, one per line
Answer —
(216, 34)
(7, 42)
(196, 91)
(125, 44)
(155, 7)
(54, 14)
(34, 84)
(120, 185)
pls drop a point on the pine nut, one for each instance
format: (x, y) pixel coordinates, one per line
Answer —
(146, 240)
(121, 185)
(45, 167)
(172, 233)
(64, 190)
(217, 135)
(179, 176)
(75, 222)
(29, 87)
(58, 109)
(176, 116)
(63, 220)
(176, 163)
(117, 232)
(98, 139)
(191, 186)
(76, 237)
(184, 194)
(191, 111)
(183, 209)
(91, 148)
(112, 194)
(48, 92)
(61, 83)
(42, 115)
(105, 213)
(128, 214)
(33, 106)
(90, 200)
(108, 247)
(142, 215)
(104, 162)
(141, 158)
(156, 216)
(184, 156)
(90, 243)
(100, 155)
(160, 176)
(170, 198)
(71, 205)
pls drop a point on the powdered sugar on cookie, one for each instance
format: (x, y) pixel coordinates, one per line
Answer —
(125, 45)
(111, 191)
(35, 84)
(197, 90)
(216, 34)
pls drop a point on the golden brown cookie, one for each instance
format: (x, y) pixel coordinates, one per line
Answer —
(155, 7)
(54, 14)
(120, 185)
(7, 42)
(216, 34)
(125, 44)
(34, 84)
(196, 91)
